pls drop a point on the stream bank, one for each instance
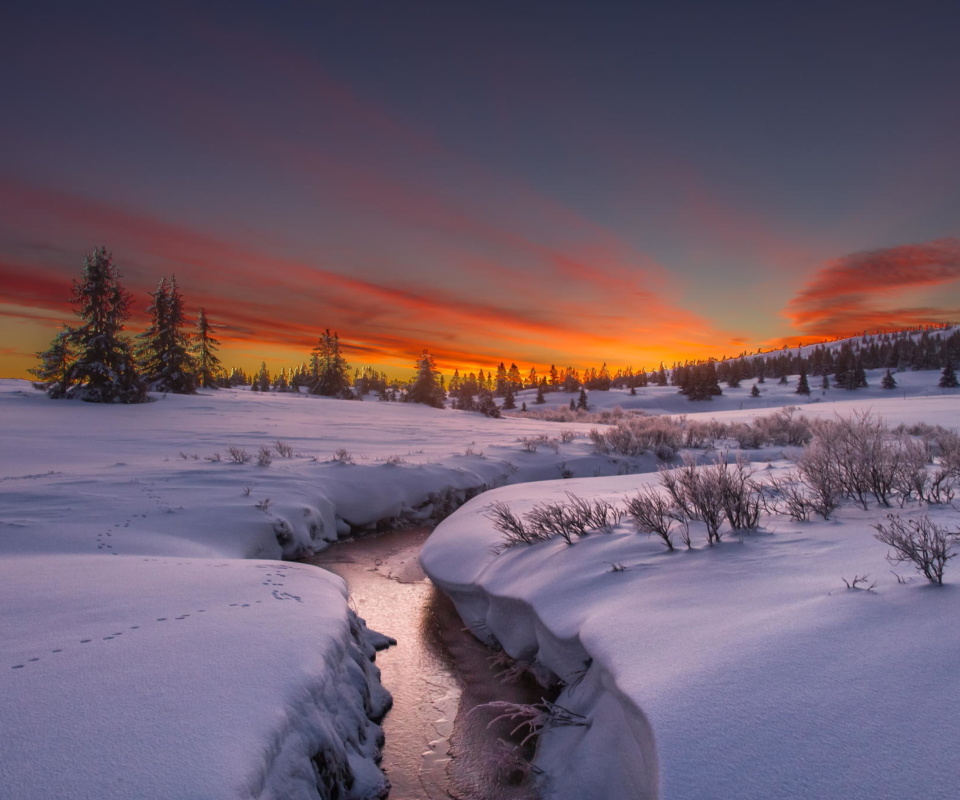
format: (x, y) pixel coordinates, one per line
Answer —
(436, 746)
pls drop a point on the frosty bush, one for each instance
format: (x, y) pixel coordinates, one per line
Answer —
(635, 435)
(238, 455)
(534, 717)
(921, 541)
(284, 450)
(715, 493)
(652, 512)
(785, 427)
(548, 520)
(264, 456)
(792, 498)
(343, 456)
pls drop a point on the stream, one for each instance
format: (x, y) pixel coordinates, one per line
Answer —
(436, 746)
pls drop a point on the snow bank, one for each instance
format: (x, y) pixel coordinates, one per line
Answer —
(742, 670)
(156, 677)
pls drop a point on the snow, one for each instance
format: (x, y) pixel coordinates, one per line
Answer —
(153, 645)
(745, 670)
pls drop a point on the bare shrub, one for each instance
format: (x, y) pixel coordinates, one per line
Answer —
(343, 456)
(511, 527)
(699, 493)
(599, 515)
(792, 499)
(921, 541)
(567, 435)
(817, 471)
(857, 580)
(635, 435)
(284, 450)
(785, 427)
(652, 512)
(556, 519)
(394, 461)
(264, 456)
(264, 504)
(214, 458)
(748, 437)
(238, 455)
(742, 497)
(534, 717)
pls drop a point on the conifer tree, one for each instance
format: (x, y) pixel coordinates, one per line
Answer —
(509, 401)
(540, 399)
(803, 386)
(104, 370)
(582, 401)
(426, 387)
(204, 350)
(51, 372)
(888, 381)
(165, 361)
(755, 391)
(948, 378)
(330, 370)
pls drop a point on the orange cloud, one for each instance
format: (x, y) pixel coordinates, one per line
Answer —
(854, 293)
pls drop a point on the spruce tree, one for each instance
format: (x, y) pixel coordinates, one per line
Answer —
(582, 401)
(51, 372)
(208, 367)
(948, 378)
(426, 387)
(104, 370)
(803, 386)
(509, 401)
(755, 391)
(888, 381)
(330, 371)
(163, 352)
(540, 399)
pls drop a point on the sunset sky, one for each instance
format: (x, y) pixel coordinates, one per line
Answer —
(539, 182)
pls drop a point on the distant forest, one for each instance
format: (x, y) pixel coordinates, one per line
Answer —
(95, 361)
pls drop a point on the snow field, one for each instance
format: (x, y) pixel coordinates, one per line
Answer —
(114, 526)
(744, 670)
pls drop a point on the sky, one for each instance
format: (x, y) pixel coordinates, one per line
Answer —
(531, 182)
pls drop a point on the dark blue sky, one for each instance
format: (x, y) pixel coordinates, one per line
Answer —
(541, 182)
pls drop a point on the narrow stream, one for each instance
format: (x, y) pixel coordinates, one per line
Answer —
(437, 672)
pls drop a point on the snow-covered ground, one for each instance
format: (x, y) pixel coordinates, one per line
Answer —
(153, 646)
(743, 670)
(150, 644)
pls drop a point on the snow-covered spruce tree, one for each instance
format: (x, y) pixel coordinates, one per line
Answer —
(888, 381)
(104, 370)
(209, 371)
(509, 401)
(582, 401)
(425, 387)
(55, 361)
(803, 386)
(329, 370)
(948, 378)
(163, 350)
(700, 382)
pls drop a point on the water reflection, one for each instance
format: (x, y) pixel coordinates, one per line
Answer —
(435, 747)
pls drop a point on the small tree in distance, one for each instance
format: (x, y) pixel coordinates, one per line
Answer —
(948, 378)
(209, 369)
(888, 381)
(426, 388)
(51, 372)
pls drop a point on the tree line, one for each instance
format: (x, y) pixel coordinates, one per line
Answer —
(95, 362)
